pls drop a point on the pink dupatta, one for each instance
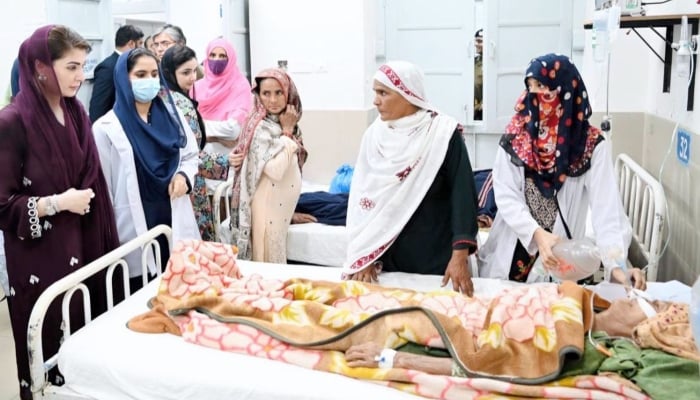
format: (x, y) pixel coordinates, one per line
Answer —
(223, 96)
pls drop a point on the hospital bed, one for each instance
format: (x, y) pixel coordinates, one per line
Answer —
(312, 243)
(105, 360)
(644, 202)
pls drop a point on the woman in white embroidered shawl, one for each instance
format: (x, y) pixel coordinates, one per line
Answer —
(268, 158)
(412, 204)
(550, 168)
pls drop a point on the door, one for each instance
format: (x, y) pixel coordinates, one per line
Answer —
(93, 20)
(518, 31)
(236, 25)
(436, 36)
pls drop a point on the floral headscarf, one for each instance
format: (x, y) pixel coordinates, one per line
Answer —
(551, 137)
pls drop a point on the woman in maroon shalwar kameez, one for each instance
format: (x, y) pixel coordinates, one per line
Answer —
(55, 211)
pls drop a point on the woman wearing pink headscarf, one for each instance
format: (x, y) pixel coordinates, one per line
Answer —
(268, 157)
(224, 97)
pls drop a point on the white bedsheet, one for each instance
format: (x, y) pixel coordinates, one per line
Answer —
(317, 244)
(107, 361)
(321, 244)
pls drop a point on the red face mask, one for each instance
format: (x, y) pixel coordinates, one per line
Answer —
(546, 143)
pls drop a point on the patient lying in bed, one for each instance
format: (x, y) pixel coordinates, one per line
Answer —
(339, 326)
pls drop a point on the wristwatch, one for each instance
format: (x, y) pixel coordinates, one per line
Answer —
(51, 205)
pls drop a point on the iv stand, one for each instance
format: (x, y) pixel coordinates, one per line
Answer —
(605, 124)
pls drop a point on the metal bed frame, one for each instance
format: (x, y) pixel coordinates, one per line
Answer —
(67, 287)
(644, 202)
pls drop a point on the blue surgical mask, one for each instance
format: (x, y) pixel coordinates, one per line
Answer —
(217, 67)
(146, 89)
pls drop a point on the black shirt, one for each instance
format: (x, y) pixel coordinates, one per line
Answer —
(444, 220)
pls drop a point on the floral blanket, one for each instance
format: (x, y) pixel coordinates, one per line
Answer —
(513, 345)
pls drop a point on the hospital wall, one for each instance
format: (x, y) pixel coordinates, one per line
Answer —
(335, 83)
(644, 119)
(646, 138)
(15, 26)
(331, 54)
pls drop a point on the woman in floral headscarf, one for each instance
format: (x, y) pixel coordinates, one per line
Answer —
(552, 165)
(269, 157)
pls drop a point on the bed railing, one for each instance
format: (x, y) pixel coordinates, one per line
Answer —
(644, 202)
(73, 283)
(222, 193)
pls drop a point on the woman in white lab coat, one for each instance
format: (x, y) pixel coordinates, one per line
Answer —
(149, 156)
(550, 168)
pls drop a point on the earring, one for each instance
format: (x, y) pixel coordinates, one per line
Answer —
(42, 77)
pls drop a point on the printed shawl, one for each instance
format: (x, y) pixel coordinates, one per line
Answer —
(260, 141)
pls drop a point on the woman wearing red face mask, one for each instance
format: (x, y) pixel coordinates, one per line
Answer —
(551, 167)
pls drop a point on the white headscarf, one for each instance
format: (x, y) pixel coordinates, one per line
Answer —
(406, 79)
(397, 164)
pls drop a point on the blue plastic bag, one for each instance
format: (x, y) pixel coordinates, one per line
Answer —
(341, 181)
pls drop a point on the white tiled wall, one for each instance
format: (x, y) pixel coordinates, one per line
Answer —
(646, 138)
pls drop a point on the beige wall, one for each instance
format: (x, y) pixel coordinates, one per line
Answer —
(332, 138)
(682, 258)
(646, 138)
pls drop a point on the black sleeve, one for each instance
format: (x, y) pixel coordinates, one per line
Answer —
(463, 195)
(102, 99)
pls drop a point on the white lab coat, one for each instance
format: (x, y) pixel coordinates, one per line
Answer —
(117, 159)
(596, 190)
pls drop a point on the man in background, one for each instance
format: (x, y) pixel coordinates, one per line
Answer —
(127, 37)
(479, 75)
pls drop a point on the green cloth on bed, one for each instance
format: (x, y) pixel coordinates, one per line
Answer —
(661, 375)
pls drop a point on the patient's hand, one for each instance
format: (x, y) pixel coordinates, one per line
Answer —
(363, 355)
(636, 276)
(302, 218)
(484, 221)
